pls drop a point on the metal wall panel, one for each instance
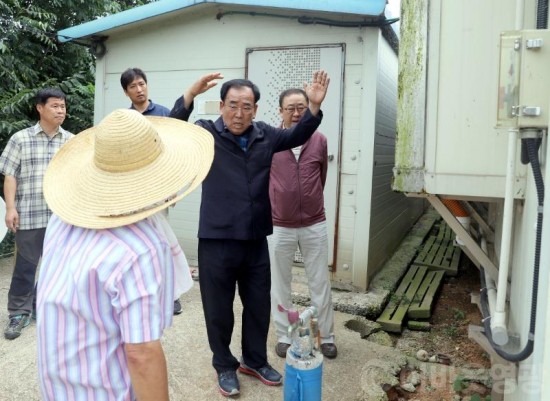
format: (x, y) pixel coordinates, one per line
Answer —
(391, 212)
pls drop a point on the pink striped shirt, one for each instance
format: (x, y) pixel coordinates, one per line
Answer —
(97, 290)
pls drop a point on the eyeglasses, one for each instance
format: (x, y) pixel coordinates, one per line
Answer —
(292, 109)
(246, 109)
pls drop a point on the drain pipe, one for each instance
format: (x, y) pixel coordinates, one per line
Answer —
(532, 151)
(498, 321)
(490, 287)
(459, 213)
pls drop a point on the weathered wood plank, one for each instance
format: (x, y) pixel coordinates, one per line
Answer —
(450, 261)
(423, 254)
(444, 232)
(421, 307)
(439, 255)
(421, 293)
(393, 315)
(419, 325)
(386, 317)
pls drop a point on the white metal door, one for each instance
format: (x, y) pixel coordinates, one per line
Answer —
(276, 69)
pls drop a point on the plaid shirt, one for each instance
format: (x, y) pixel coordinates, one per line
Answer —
(26, 157)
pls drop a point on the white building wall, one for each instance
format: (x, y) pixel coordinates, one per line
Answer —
(462, 98)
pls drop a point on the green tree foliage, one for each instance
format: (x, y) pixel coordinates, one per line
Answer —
(31, 58)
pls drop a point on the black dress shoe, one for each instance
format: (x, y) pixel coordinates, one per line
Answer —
(177, 307)
(329, 350)
(281, 348)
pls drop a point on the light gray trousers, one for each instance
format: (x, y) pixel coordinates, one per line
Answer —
(313, 244)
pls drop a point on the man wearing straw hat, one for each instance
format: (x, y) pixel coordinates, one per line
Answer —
(23, 163)
(110, 264)
(235, 219)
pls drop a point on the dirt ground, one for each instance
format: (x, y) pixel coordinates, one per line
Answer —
(452, 314)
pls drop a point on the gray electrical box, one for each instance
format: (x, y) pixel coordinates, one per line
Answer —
(524, 82)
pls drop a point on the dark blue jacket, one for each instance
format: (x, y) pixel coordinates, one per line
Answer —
(235, 194)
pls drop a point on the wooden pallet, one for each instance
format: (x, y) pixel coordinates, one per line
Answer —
(445, 232)
(395, 312)
(439, 254)
(421, 306)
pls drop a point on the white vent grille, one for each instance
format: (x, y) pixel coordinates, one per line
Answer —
(287, 68)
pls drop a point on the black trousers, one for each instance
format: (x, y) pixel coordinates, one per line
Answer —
(22, 292)
(224, 266)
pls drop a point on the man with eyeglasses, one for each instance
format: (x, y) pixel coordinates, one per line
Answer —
(235, 219)
(296, 187)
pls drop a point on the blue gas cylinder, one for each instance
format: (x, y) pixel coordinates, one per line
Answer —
(303, 377)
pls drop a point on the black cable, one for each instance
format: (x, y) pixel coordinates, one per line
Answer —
(315, 20)
(542, 14)
(532, 146)
(347, 24)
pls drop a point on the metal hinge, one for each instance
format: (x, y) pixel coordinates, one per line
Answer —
(533, 43)
(526, 111)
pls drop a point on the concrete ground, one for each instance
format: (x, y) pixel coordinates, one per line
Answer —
(349, 377)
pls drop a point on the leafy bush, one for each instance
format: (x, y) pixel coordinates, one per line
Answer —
(7, 246)
(31, 58)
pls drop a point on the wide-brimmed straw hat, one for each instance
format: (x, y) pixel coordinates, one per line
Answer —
(126, 168)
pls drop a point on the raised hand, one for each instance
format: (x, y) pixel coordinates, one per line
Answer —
(317, 90)
(203, 84)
